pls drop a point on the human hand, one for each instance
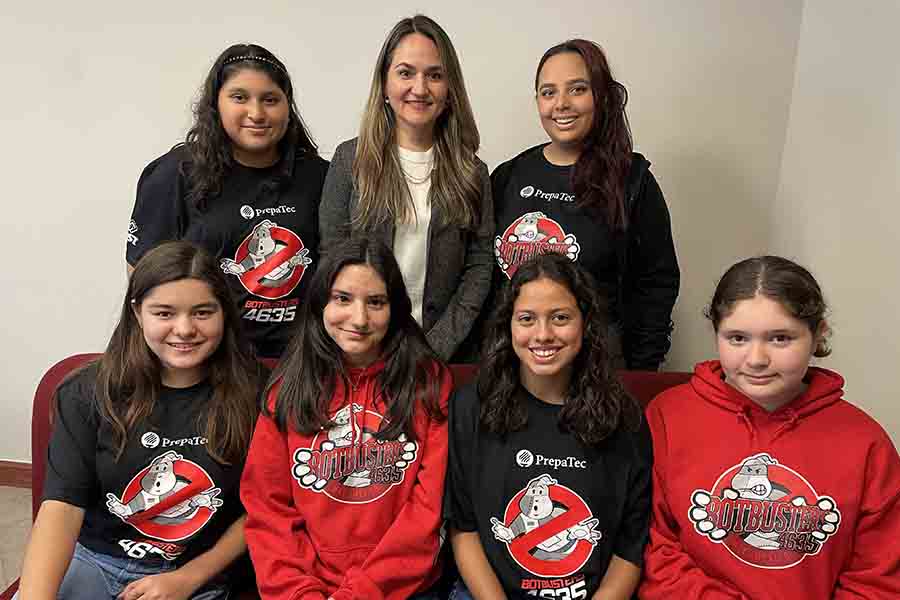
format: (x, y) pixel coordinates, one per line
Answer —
(163, 586)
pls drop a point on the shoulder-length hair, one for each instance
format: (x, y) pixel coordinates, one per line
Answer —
(130, 374)
(601, 171)
(313, 361)
(209, 146)
(596, 403)
(455, 183)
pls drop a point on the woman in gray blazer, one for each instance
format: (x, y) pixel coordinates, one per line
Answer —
(412, 180)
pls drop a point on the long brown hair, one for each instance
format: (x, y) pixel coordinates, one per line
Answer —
(207, 142)
(455, 183)
(130, 374)
(313, 361)
(596, 404)
(601, 171)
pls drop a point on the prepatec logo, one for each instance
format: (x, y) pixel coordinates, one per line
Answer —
(527, 191)
(524, 458)
(150, 440)
(247, 212)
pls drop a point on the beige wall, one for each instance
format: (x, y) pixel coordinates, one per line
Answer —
(93, 91)
(838, 204)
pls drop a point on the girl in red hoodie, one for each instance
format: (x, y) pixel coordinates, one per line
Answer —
(767, 484)
(345, 473)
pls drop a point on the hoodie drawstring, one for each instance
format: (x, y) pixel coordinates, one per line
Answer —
(788, 424)
(744, 415)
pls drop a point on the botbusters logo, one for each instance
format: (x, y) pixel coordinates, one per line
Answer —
(531, 235)
(765, 513)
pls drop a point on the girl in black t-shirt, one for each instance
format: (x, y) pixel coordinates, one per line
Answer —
(245, 185)
(586, 195)
(141, 495)
(548, 490)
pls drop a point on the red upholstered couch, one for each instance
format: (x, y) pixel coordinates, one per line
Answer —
(643, 385)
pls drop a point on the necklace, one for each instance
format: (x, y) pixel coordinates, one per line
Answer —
(414, 179)
(355, 385)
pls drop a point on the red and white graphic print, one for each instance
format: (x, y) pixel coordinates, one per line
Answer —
(270, 262)
(530, 235)
(547, 528)
(170, 500)
(348, 464)
(765, 513)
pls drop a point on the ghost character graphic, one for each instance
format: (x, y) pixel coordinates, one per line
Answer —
(537, 508)
(260, 247)
(528, 227)
(752, 482)
(157, 486)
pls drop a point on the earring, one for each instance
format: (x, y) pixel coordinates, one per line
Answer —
(386, 101)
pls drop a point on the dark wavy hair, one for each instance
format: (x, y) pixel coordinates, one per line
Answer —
(313, 361)
(596, 404)
(207, 142)
(780, 280)
(130, 374)
(601, 171)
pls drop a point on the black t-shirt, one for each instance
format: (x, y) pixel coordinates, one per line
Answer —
(550, 512)
(537, 214)
(263, 227)
(164, 499)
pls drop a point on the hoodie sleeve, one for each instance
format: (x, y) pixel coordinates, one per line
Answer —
(651, 281)
(873, 571)
(405, 556)
(669, 571)
(280, 547)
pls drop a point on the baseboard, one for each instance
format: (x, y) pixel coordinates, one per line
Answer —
(15, 474)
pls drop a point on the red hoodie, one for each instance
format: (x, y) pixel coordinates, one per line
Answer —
(339, 513)
(803, 502)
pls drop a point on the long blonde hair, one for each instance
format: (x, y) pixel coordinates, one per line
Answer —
(455, 184)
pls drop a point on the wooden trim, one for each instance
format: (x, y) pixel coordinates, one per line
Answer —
(15, 474)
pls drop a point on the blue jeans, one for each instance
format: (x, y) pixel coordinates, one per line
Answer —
(460, 592)
(95, 576)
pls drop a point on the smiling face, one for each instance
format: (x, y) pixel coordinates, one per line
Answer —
(416, 89)
(764, 351)
(255, 115)
(358, 314)
(183, 324)
(547, 328)
(565, 103)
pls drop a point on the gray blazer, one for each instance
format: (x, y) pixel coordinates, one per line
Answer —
(460, 262)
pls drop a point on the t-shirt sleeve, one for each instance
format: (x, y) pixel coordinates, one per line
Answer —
(635, 529)
(159, 213)
(71, 457)
(459, 510)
